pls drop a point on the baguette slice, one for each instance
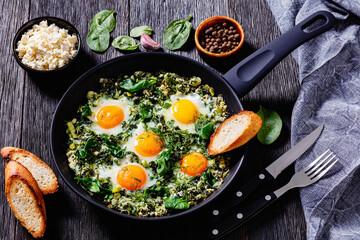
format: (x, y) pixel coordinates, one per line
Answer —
(234, 132)
(25, 198)
(43, 174)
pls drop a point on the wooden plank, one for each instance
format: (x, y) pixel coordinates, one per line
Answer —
(69, 216)
(11, 97)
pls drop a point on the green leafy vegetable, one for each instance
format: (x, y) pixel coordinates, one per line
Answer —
(130, 86)
(209, 178)
(174, 202)
(90, 143)
(271, 126)
(154, 192)
(98, 39)
(85, 111)
(166, 105)
(145, 111)
(125, 43)
(163, 161)
(104, 18)
(113, 148)
(94, 185)
(203, 127)
(177, 33)
(138, 31)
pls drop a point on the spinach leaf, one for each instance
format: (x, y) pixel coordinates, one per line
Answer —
(114, 148)
(271, 126)
(166, 105)
(125, 43)
(93, 185)
(85, 111)
(209, 178)
(90, 143)
(145, 111)
(163, 161)
(177, 33)
(98, 38)
(138, 31)
(203, 127)
(104, 18)
(154, 192)
(174, 202)
(130, 86)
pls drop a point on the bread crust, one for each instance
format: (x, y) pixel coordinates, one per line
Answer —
(8, 152)
(251, 130)
(13, 171)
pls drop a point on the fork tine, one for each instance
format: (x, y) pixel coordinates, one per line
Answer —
(324, 171)
(321, 165)
(316, 160)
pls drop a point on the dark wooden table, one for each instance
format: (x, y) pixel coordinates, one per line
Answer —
(27, 103)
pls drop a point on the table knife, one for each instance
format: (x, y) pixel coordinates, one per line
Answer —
(270, 172)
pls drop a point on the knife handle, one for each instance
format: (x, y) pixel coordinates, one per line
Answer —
(239, 216)
(240, 194)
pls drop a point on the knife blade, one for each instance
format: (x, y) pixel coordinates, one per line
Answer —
(294, 153)
(270, 172)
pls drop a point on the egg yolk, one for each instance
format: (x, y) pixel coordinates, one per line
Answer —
(109, 116)
(148, 144)
(131, 177)
(185, 111)
(193, 164)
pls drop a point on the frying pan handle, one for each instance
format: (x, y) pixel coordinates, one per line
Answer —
(246, 74)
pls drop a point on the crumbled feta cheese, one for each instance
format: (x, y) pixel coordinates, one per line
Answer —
(46, 47)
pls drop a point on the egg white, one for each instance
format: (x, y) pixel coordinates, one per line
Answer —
(130, 144)
(112, 171)
(122, 103)
(196, 100)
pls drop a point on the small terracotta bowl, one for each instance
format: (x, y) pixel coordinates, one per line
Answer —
(209, 22)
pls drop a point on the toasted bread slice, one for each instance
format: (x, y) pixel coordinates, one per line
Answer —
(43, 174)
(234, 132)
(25, 198)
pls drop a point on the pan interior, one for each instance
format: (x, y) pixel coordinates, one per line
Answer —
(76, 95)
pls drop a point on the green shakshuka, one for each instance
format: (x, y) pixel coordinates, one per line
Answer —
(140, 143)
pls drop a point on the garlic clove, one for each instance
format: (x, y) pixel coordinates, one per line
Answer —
(148, 43)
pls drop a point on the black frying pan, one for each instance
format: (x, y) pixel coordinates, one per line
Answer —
(240, 78)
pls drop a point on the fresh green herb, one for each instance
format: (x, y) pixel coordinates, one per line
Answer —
(163, 161)
(130, 86)
(85, 111)
(138, 31)
(93, 185)
(203, 127)
(104, 18)
(166, 105)
(209, 178)
(98, 39)
(113, 148)
(271, 126)
(174, 202)
(177, 33)
(125, 43)
(145, 111)
(90, 143)
(154, 192)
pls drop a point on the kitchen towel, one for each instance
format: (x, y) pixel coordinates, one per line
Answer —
(330, 94)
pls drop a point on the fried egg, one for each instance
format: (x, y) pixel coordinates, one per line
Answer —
(127, 175)
(145, 144)
(185, 110)
(108, 115)
(193, 164)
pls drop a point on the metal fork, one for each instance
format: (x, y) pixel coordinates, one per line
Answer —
(310, 174)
